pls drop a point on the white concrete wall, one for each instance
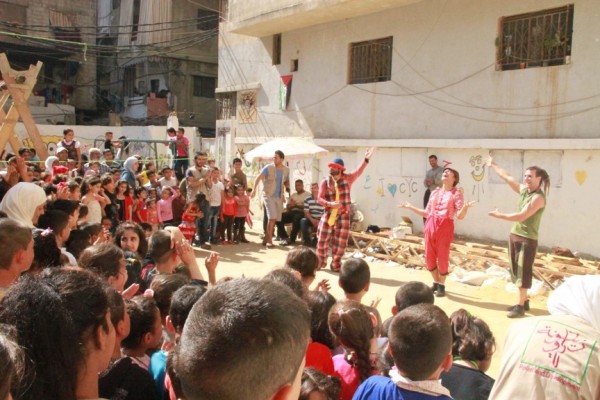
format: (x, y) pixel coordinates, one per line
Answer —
(446, 98)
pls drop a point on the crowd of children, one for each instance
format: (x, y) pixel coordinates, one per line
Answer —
(102, 297)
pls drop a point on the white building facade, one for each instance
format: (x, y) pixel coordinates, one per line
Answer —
(457, 78)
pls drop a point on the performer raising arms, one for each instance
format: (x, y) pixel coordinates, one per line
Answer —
(523, 240)
(445, 203)
(334, 196)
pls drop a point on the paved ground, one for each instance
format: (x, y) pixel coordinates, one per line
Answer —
(488, 303)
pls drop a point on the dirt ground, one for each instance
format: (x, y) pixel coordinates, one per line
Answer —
(488, 303)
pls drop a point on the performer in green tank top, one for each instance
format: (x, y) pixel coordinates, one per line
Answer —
(522, 245)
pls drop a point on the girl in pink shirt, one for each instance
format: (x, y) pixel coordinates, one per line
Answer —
(243, 209)
(164, 207)
(229, 212)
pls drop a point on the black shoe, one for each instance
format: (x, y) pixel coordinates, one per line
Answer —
(525, 306)
(441, 290)
(285, 242)
(434, 287)
(517, 312)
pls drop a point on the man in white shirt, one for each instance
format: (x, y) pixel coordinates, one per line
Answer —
(216, 195)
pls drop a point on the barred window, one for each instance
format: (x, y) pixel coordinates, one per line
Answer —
(204, 86)
(226, 104)
(371, 61)
(537, 39)
(277, 49)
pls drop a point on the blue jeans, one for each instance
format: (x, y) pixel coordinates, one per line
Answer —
(202, 224)
(180, 166)
(213, 222)
(306, 226)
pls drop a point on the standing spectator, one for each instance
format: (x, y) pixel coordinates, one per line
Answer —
(167, 180)
(124, 202)
(73, 146)
(216, 197)
(334, 196)
(198, 181)
(433, 178)
(95, 154)
(236, 175)
(229, 212)
(182, 154)
(313, 212)
(164, 207)
(243, 209)
(275, 177)
(109, 160)
(110, 144)
(523, 240)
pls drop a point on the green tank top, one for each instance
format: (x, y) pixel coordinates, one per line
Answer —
(530, 227)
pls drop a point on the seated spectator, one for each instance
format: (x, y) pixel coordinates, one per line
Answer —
(46, 254)
(63, 325)
(473, 345)
(555, 356)
(305, 261)
(107, 261)
(11, 360)
(145, 333)
(318, 353)
(58, 222)
(355, 278)
(294, 212)
(317, 385)
(78, 241)
(312, 215)
(288, 278)
(123, 379)
(353, 326)
(24, 202)
(16, 252)
(214, 360)
(409, 294)
(420, 343)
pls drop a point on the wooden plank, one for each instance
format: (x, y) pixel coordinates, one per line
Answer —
(19, 85)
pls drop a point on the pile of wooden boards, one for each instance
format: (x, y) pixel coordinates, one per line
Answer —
(551, 269)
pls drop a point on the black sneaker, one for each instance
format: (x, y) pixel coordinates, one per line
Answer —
(441, 290)
(525, 306)
(517, 312)
(434, 287)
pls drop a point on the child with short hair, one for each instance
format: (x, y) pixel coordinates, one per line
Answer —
(167, 180)
(353, 326)
(146, 330)
(242, 212)
(229, 212)
(421, 344)
(140, 210)
(409, 294)
(123, 378)
(355, 278)
(214, 360)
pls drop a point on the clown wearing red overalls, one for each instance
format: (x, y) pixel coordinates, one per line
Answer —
(334, 196)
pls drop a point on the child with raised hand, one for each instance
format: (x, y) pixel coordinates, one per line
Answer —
(473, 345)
(242, 212)
(168, 248)
(420, 344)
(164, 207)
(353, 326)
(229, 212)
(188, 219)
(146, 330)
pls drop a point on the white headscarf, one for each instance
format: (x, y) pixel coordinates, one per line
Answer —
(578, 296)
(21, 201)
(128, 164)
(49, 161)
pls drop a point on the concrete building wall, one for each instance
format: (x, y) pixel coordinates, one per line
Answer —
(446, 98)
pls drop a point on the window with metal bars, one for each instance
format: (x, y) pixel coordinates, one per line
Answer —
(371, 61)
(537, 39)
(277, 49)
(226, 103)
(204, 86)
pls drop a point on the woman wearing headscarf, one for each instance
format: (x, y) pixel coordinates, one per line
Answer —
(129, 171)
(24, 202)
